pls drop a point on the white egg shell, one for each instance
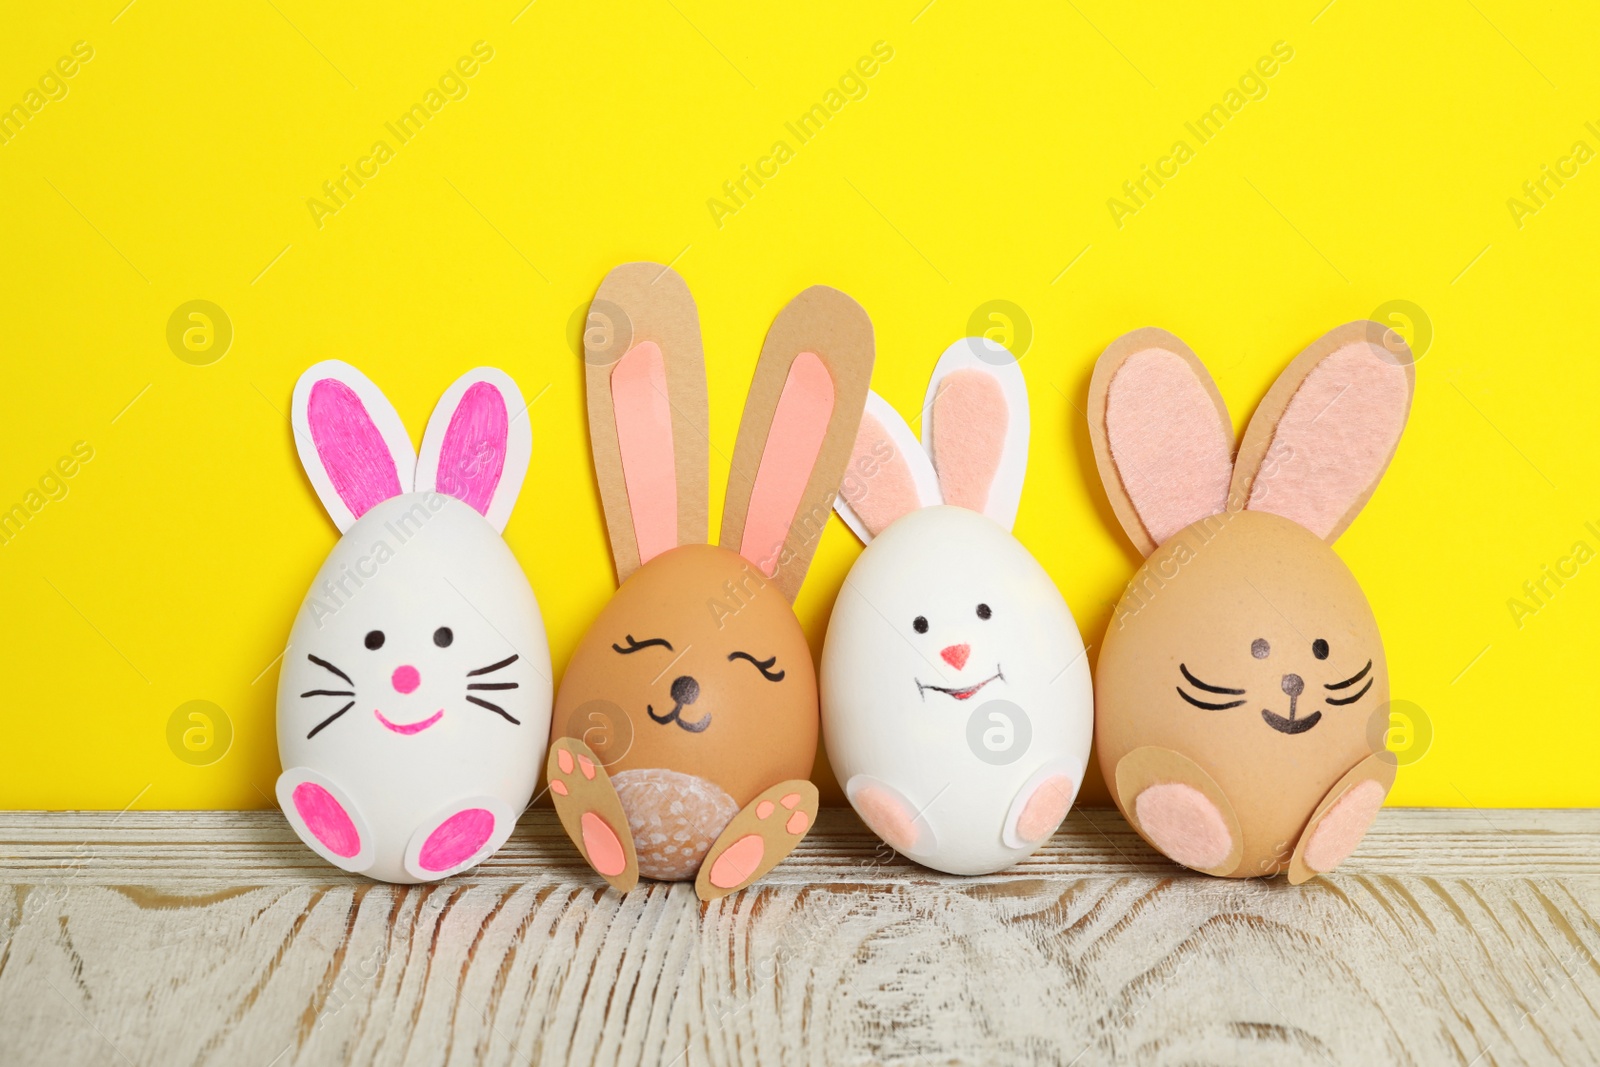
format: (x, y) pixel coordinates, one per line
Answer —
(966, 764)
(409, 566)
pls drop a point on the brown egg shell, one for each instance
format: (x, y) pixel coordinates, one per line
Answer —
(708, 603)
(1202, 600)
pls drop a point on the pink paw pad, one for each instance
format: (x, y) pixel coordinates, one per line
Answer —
(1045, 808)
(558, 787)
(586, 765)
(1184, 825)
(327, 820)
(738, 861)
(765, 808)
(456, 840)
(602, 846)
(887, 817)
(1343, 826)
(564, 760)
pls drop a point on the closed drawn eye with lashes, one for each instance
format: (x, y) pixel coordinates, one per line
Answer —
(638, 646)
(763, 665)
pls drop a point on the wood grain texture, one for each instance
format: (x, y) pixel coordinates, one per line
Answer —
(1459, 937)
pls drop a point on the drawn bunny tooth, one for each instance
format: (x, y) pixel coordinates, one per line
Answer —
(414, 698)
(686, 722)
(1242, 690)
(956, 701)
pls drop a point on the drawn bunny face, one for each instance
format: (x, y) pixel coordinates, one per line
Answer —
(954, 681)
(694, 687)
(415, 689)
(1244, 647)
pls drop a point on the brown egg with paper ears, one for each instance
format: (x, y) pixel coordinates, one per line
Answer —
(687, 720)
(1241, 689)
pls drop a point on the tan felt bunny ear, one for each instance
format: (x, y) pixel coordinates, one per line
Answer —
(1161, 435)
(646, 380)
(1324, 434)
(795, 439)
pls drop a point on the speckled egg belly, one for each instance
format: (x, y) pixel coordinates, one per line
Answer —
(674, 817)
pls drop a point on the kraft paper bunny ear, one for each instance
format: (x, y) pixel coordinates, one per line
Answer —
(1161, 435)
(352, 444)
(1327, 429)
(795, 438)
(888, 474)
(478, 444)
(975, 425)
(648, 418)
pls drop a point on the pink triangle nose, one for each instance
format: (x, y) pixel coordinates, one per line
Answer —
(956, 655)
(406, 679)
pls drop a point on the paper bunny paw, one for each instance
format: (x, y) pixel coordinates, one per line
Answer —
(758, 839)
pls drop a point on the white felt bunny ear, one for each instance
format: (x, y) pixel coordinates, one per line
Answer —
(352, 444)
(975, 426)
(478, 444)
(888, 476)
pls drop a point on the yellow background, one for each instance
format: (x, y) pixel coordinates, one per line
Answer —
(977, 167)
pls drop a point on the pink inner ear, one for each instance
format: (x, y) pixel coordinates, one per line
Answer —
(1171, 449)
(351, 449)
(799, 427)
(473, 455)
(969, 436)
(878, 486)
(1334, 439)
(644, 437)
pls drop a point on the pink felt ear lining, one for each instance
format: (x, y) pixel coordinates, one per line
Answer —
(350, 447)
(879, 486)
(644, 438)
(1334, 439)
(473, 455)
(794, 441)
(969, 436)
(1172, 452)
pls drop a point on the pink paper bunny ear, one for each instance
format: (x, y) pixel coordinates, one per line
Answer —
(1161, 435)
(478, 444)
(888, 475)
(1323, 436)
(975, 427)
(352, 444)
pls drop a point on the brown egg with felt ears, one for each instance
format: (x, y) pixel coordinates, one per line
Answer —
(1238, 683)
(687, 719)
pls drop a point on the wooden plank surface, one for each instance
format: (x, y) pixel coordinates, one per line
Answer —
(1463, 937)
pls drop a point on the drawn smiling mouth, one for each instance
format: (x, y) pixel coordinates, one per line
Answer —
(674, 716)
(1291, 725)
(406, 729)
(964, 693)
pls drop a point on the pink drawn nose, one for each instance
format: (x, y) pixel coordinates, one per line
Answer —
(406, 679)
(956, 655)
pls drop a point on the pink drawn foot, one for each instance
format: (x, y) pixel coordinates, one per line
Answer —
(591, 812)
(890, 816)
(758, 838)
(459, 835)
(325, 819)
(1343, 826)
(1045, 809)
(1185, 825)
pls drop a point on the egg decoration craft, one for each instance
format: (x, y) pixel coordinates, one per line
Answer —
(956, 702)
(1242, 688)
(686, 722)
(414, 698)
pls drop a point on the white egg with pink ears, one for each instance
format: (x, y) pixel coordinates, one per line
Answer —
(414, 699)
(957, 709)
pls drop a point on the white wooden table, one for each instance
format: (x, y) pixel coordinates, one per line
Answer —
(1462, 937)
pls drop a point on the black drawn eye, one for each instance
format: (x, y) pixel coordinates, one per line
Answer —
(634, 646)
(984, 611)
(920, 624)
(374, 639)
(1319, 648)
(443, 636)
(763, 665)
(1260, 649)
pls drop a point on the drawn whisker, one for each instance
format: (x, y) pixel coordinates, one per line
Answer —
(1351, 700)
(325, 665)
(491, 668)
(494, 685)
(1211, 707)
(1198, 684)
(327, 693)
(498, 710)
(1353, 679)
(318, 728)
